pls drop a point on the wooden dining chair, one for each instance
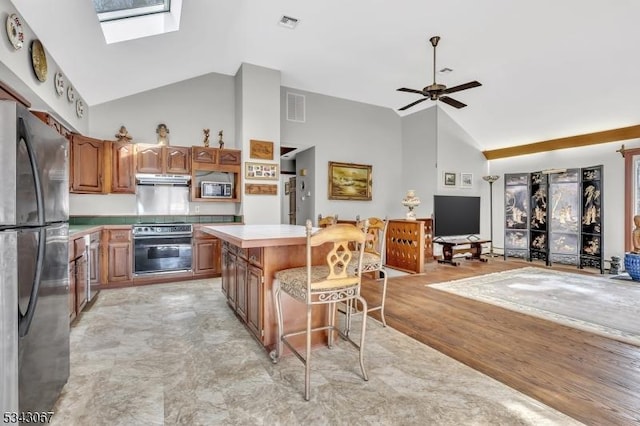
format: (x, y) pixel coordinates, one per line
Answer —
(328, 284)
(324, 221)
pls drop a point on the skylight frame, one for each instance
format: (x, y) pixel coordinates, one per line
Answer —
(134, 12)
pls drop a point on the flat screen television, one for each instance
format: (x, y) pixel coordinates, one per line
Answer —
(455, 216)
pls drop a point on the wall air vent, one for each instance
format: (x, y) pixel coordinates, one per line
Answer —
(288, 22)
(295, 107)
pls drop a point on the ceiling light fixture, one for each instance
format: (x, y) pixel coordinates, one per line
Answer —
(288, 22)
(445, 70)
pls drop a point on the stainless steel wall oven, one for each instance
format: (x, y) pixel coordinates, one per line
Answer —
(162, 248)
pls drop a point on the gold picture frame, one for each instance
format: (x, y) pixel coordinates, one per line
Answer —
(349, 181)
(266, 171)
(260, 150)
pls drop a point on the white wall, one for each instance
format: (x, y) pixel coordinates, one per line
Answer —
(613, 183)
(349, 132)
(186, 108)
(259, 89)
(17, 72)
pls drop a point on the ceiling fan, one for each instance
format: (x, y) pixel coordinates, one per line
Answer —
(438, 91)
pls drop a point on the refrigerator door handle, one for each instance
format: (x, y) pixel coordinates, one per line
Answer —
(23, 135)
(24, 320)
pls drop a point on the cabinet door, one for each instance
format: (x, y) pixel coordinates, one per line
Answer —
(149, 159)
(254, 300)
(178, 160)
(241, 288)
(120, 263)
(87, 164)
(225, 268)
(206, 256)
(81, 284)
(230, 274)
(229, 157)
(72, 290)
(123, 168)
(204, 155)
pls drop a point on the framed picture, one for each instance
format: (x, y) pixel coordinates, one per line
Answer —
(261, 171)
(261, 150)
(348, 181)
(449, 179)
(466, 180)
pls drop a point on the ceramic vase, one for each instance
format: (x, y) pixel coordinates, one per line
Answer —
(632, 265)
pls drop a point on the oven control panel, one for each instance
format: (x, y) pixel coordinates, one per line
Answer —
(162, 229)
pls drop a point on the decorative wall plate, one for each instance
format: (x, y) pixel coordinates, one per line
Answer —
(39, 60)
(58, 81)
(80, 108)
(71, 94)
(14, 31)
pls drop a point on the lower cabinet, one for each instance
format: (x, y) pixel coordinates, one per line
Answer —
(243, 284)
(78, 277)
(206, 255)
(119, 256)
(72, 291)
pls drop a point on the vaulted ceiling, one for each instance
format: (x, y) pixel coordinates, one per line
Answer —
(548, 68)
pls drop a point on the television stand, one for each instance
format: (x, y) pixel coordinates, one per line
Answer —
(448, 249)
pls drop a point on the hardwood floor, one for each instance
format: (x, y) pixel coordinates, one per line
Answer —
(591, 378)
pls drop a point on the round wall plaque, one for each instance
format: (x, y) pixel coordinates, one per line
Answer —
(39, 60)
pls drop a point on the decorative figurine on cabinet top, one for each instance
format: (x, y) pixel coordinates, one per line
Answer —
(411, 201)
(123, 135)
(206, 137)
(220, 141)
(163, 134)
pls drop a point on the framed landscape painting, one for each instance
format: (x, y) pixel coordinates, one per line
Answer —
(348, 181)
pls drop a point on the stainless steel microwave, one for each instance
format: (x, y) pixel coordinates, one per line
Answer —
(210, 189)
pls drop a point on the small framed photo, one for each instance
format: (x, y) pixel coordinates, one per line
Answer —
(261, 171)
(466, 180)
(449, 179)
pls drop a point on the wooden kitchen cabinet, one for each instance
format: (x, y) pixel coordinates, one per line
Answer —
(87, 165)
(243, 280)
(208, 164)
(119, 256)
(123, 168)
(163, 159)
(72, 291)
(52, 122)
(206, 255)
(82, 278)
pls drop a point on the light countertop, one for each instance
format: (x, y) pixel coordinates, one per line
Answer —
(248, 236)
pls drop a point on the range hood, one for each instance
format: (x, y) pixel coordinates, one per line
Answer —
(152, 179)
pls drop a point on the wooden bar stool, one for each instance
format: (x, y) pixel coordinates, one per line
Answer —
(326, 284)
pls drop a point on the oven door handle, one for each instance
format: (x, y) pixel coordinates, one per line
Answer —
(157, 237)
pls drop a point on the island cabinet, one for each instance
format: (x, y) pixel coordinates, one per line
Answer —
(251, 255)
(119, 255)
(163, 159)
(78, 277)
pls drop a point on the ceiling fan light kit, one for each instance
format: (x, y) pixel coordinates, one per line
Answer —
(437, 91)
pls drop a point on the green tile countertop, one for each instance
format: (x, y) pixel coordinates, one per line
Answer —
(77, 230)
(76, 221)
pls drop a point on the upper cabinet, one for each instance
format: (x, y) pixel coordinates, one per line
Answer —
(87, 164)
(123, 168)
(162, 159)
(218, 165)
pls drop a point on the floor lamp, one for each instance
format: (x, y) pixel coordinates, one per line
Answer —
(491, 179)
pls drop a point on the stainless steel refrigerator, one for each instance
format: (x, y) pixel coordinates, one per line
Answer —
(34, 281)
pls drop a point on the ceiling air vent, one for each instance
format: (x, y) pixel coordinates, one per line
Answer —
(295, 107)
(288, 22)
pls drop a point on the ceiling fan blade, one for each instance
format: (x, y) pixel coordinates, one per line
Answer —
(404, 89)
(452, 102)
(412, 104)
(465, 86)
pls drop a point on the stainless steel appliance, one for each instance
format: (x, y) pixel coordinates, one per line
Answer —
(209, 189)
(162, 248)
(34, 281)
(162, 194)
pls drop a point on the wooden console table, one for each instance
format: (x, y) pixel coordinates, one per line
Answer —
(448, 249)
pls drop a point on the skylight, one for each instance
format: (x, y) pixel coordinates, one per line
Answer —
(123, 20)
(108, 10)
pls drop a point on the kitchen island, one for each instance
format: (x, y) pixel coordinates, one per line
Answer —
(251, 255)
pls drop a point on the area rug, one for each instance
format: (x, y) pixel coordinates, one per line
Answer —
(597, 304)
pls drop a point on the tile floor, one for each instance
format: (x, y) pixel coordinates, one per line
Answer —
(175, 354)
